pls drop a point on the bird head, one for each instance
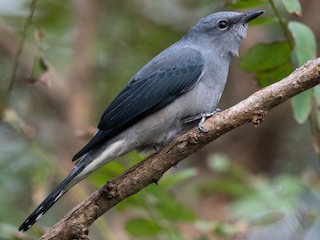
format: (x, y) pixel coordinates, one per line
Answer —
(223, 30)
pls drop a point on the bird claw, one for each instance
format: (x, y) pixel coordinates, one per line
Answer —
(200, 124)
(204, 116)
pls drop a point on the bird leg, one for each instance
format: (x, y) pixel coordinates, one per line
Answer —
(202, 117)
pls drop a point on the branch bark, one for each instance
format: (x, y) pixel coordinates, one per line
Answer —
(253, 109)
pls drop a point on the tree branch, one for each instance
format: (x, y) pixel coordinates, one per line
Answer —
(253, 109)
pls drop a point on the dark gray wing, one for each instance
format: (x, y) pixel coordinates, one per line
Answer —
(157, 84)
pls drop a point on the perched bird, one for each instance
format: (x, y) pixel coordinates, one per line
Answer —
(173, 92)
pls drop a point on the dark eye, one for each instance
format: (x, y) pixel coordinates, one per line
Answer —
(223, 24)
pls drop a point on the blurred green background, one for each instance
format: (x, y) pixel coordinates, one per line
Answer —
(63, 62)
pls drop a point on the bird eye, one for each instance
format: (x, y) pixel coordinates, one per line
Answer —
(223, 24)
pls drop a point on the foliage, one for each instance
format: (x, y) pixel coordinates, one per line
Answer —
(266, 207)
(271, 62)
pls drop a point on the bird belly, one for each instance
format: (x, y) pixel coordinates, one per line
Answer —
(163, 126)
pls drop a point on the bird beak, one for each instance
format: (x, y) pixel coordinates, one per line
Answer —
(250, 15)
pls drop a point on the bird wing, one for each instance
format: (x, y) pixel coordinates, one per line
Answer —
(157, 84)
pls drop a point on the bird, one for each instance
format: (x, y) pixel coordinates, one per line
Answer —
(176, 90)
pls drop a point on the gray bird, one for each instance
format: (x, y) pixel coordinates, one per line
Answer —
(169, 95)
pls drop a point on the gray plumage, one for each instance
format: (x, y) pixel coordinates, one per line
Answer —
(183, 82)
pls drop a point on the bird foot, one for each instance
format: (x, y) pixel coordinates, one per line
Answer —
(202, 118)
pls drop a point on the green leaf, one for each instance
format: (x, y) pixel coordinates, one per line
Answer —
(292, 6)
(268, 77)
(305, 43)
(141, 227)
(177, 177)
(38, 69)
(269, 62)
(304, 50)
(134, 201)
(301, 105)
(280, 195)
(247, 3)
(167, 205)
(230, 186)
(265, 56)
(175, 211)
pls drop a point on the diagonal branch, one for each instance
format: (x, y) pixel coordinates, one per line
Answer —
(253, 109)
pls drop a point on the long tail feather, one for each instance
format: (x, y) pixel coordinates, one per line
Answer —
(56, 194)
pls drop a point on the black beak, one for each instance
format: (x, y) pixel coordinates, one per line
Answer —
(250, 15)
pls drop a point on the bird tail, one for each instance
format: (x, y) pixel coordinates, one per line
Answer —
(56, 194)
(87, 164)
